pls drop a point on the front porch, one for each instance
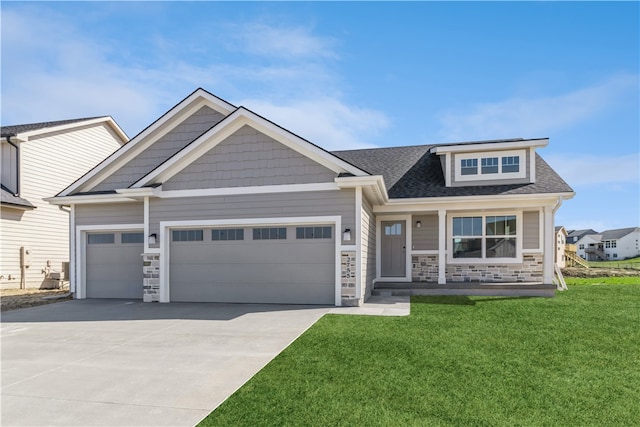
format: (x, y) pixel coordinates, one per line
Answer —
(529, 289)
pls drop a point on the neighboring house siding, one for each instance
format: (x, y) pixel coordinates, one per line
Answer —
(530, 230)
(107, 214)
(368, 245)
(277, 205)
(161, 150)
(425, 237)
(249, 158)
(49, 163)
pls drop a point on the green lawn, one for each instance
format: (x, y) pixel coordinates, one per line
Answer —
(573, 360)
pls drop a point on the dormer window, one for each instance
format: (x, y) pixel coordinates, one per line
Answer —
(469, 166)
(493, 165)
(489, 165)
(510, 164)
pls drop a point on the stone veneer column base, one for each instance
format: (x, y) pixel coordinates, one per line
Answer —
(425, 269)
(151, 277)
(348, 279)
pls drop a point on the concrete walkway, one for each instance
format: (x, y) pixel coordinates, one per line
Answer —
(125, 363)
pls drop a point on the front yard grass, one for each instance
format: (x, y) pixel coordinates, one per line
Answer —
(481, 361)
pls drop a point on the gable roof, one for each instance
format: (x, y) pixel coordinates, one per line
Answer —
(416, 172)
(24, 131)
(195, 99)
(234, 121)
(617, 233)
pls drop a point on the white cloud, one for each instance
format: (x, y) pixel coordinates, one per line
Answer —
(534, 117)
(53, 68)
(271, 41)
(326, 122)
(589, 170)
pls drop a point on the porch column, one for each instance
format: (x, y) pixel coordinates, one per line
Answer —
(549, 238)
(442, 242)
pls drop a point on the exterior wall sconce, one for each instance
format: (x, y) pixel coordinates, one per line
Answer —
(418, 224)
(153, 238)
(346, 235)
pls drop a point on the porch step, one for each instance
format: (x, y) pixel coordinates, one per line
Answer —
(465, 288)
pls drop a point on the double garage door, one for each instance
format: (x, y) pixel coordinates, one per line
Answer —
(283, 264)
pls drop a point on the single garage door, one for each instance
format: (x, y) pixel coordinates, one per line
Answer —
(285, 264)
(114, 264)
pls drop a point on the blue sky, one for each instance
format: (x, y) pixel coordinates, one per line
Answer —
(350, 75)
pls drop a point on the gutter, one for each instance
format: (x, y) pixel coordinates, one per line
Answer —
(8, 139)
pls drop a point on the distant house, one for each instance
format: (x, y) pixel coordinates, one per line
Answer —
(574, 235)
(561, 241)
(618, 244)
(38, 161)
(227, 206)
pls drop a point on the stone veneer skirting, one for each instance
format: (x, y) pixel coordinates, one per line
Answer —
(348, 278)
(425, 269)
(151, 277)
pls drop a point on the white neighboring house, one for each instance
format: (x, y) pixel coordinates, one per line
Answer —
(561, 241)
(38, 161)
(618, 244)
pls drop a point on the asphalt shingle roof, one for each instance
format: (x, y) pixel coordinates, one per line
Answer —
(17, 129)
(617, 233)
(413, 172)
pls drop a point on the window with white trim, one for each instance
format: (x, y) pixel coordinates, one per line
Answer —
(493, 165)
(484, 237)
(469, 166)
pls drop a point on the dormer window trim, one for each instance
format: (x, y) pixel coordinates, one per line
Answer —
(489, 165)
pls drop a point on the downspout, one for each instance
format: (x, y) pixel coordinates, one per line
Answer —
(8, 138)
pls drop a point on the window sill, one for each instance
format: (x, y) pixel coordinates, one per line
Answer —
(487, 261)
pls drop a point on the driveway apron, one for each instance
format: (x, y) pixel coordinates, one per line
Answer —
(125, 363)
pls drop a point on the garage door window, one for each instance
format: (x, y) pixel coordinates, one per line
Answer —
(313, 232)
(273, 233)
(132, 238)
(101, 238)
(227, 234)
(187, 235)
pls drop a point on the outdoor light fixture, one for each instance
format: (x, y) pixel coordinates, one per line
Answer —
(418, 224)
(152, 238)
(347, 234)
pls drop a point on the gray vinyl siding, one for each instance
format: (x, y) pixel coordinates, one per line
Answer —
(249, 158)
(110, 213)
(531, 230)
(161, 150)
(525, 180)
(368, 248)
(278, 205)
(425, 237)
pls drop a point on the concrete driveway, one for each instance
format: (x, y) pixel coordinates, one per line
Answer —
(125, 363)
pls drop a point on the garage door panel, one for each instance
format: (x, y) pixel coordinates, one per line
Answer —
(303, 273)
(114, 270)
(269, 293)
(292, 271)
